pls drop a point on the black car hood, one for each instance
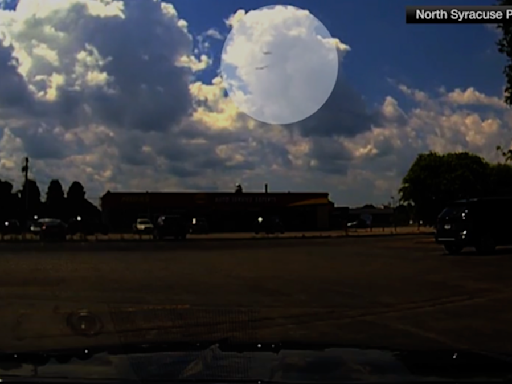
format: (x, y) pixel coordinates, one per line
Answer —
(331, 365)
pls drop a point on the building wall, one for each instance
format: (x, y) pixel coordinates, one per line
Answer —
(223, 211)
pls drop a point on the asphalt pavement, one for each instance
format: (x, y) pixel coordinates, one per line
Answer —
(395, 292)
(130, 237)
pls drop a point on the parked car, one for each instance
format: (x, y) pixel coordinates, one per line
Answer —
(35, 227)
(199, 226)
(11, 227)
(176, 226)
(269, 225)
(361, 223)
(143, 226)
(52, 229)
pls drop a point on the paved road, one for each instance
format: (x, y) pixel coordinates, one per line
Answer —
(396, 292)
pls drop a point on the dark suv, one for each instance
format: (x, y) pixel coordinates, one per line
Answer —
(482, 223)
(176, 226)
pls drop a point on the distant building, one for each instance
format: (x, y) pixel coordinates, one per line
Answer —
(224, 211)
(379, 216)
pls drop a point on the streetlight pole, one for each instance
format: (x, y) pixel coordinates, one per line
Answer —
(24, 170)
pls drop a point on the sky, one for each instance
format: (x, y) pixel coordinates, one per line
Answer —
(167, 96)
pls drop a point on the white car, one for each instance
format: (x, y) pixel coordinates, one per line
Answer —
(143, 226)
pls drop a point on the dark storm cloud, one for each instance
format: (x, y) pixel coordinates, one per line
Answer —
(40, 142)
(145, 90)
(41, 145)
(344, 114)
(14, 92)
(332, 156)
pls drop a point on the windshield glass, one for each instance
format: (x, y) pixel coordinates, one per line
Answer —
(454, 212)
(49, 221)
(203, 187)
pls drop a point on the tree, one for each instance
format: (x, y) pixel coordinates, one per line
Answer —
(500, 183)
(506, 153)
(9, 202)
(78, 205)
(55, 200)
(75, 199)
(30, 196)
(401, 215)
(504, 44)
(76, 192)
(435, 180)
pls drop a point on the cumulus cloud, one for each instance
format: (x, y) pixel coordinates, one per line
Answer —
(471, 96)
(107, 92)
(280, 63)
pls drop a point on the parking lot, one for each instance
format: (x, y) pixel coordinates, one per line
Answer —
(397, 292)
(125, 237)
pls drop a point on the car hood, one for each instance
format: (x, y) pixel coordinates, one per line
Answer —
(331, 365)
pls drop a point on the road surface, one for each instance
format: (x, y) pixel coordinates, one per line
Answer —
(399, 292)
(386, 231)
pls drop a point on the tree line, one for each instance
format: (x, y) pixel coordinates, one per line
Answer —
(435, 180)
(432, 182)
(27, 203)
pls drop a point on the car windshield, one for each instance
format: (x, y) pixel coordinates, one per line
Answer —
(49, 221)
(223, 190)
(455, 211)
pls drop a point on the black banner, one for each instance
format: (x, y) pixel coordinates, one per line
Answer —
(458, 14)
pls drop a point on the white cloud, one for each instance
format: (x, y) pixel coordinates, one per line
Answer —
(103, 91)
(471, 96)
(280, 63)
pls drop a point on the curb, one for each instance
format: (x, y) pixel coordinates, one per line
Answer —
(142, 244)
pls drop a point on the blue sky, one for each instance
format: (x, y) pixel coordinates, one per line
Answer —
(139, 123)
(383, 46)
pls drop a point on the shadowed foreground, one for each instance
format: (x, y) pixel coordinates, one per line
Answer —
(385, 292)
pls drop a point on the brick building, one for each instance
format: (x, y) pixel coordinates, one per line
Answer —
(224, 211)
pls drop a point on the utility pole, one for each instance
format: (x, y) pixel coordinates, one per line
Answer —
(393, 207)
(24, 170)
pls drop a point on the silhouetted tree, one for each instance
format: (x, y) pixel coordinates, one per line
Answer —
(30, 197)
(79, 206)
(76, 192)
(75, 199)
(505, 153)
(239, 189)
(55, 205)
(401, 215)
(435, 180)
(504, 44)
(500, 183)
(9, 202)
